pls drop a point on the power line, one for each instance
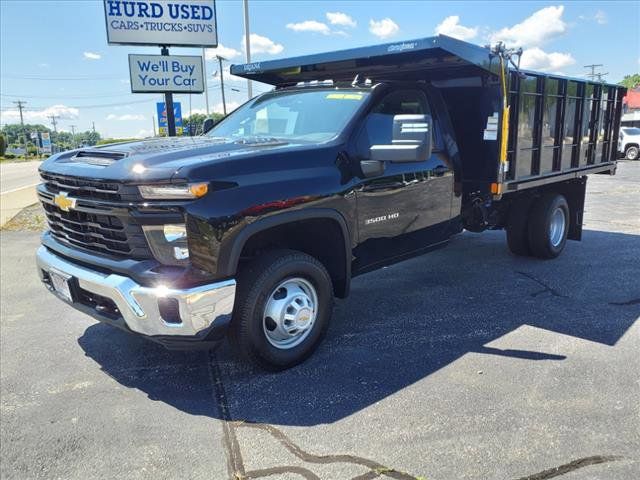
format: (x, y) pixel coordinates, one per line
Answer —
(12, 76)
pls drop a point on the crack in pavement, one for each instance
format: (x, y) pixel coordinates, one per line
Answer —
(235, 463)
(571, 466)
(546, 288)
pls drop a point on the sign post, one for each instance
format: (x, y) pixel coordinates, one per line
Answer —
(168, 101)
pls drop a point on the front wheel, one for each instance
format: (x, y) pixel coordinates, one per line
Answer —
(548, 225)
(632, 153)
(283, 307)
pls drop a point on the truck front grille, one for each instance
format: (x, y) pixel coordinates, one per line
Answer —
(88, 188)
(94, 225)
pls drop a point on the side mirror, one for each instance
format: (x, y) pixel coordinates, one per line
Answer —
(207, 125)
(411, 141)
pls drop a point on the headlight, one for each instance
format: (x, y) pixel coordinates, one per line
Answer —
(169, 192)
(168, 243)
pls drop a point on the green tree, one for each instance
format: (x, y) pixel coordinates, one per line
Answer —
(3, 145)
(13, 132)
(630, 81)
(197, 119)
(90, 137)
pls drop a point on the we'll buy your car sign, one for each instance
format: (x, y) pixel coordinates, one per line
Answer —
(161, 22)
(166, 73)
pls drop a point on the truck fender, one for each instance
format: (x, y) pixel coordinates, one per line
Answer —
(230, 253)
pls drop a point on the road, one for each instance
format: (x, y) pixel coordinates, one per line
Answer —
(18, 174)
(466, 363)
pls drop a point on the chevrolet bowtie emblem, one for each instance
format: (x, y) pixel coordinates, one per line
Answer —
(64, 202)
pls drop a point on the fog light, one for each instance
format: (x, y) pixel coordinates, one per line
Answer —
(168, 243)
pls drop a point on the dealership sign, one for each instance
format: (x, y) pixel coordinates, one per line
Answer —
(46, 142)
(162, 117)
(161, 22)
(166, 73)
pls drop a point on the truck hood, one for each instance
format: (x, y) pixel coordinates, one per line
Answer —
(157, 159)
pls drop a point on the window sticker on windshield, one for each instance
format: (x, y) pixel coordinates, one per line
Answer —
(344, 96)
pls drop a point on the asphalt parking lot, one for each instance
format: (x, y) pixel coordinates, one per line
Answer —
(466, 363)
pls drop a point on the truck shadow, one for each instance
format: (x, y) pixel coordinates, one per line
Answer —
(399, 326)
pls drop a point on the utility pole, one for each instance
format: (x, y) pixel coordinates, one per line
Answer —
(247, 42)
(593, 67)
(204, 71)
(55, 130)
(21, 105)
(600, 75)
(93, 127)
(153, 118)
(53, 122)
(224, 102)
(73, 136)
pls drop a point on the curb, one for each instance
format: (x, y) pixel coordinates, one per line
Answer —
(13, 201)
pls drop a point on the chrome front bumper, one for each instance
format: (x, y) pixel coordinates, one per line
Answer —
(200, 308)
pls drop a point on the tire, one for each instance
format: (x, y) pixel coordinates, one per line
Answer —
(275, 284)
(517, 227)
(632, 153)
(548, 226)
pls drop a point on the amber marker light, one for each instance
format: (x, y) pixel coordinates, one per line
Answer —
(199, 189)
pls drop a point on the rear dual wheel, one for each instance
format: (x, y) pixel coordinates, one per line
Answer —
(539, 228)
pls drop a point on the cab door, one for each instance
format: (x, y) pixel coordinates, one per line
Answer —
(407, 207)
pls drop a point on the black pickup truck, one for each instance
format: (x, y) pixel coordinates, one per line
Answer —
(357, 159)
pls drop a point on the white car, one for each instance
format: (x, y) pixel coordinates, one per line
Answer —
(629, 142)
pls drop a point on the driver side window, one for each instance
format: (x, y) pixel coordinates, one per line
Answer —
(378, 126)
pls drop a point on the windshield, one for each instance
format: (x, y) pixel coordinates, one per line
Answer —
(312, 115)
(631, 131)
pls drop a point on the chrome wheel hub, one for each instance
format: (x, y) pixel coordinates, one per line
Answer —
(290, 313)
(557, 226)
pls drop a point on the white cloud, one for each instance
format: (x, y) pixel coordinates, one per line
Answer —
(143, 134)
(260, 44)
(92, 56)
(537, 59)
(601, 17)
(224, 52)
(309, 26)
(42, 116)
(231, 106)
(451, 26)
(43, 65)
(126, 117)
(339, 18)
(384, 28)
(533, 31)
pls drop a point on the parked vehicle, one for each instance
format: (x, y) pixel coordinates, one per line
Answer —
(358, 159)
(629, 142)
(630, 119)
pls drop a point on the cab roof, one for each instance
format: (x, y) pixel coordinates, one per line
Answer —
(438, 57)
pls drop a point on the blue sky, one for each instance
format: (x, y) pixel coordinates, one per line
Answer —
(54, 54)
